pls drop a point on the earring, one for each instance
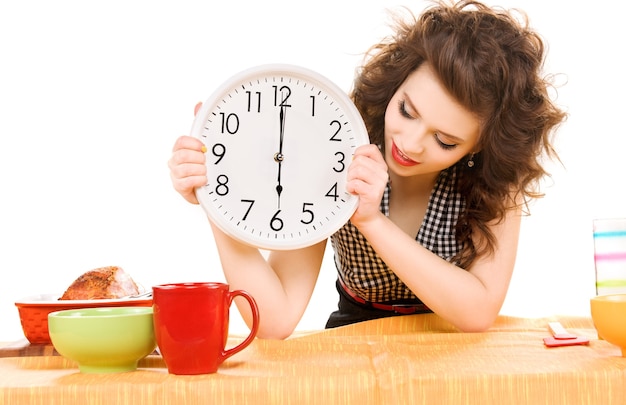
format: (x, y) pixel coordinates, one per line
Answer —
(470, 162)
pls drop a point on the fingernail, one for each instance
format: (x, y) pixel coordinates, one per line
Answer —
(203, 149)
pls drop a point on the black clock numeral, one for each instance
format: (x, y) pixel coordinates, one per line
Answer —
(230, 123)
(218, 150)
(284, 96)
(308, 212)
(276, 223)
(341, 163)
(251, 101)
(312, 106)
(332, 193)
(251, 202)
(334, 137)
(222, 185)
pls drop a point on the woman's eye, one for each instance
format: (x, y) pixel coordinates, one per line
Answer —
(446, 146)
(403, 110)
(405, 114)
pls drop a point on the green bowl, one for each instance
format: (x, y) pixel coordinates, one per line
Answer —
(103, 340)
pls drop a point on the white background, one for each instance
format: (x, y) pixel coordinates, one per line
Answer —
(93, 95)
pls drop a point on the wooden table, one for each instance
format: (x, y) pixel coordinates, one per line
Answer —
(413, 359)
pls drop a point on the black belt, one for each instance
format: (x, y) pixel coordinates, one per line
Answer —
(404, 309)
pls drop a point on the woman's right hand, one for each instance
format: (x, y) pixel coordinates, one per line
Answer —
(187, 167)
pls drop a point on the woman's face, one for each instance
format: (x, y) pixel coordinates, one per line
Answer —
(426, 130)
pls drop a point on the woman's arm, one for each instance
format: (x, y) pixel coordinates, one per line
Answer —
(470, 299)
(281, 285)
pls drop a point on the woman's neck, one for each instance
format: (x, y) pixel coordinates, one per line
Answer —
(414, 186)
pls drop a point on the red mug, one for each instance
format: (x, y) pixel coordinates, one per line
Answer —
(191, 325)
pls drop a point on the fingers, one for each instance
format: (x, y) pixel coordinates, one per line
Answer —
(368, 169)
(370, 151)
(184, 170)
(187, 167)
(367, 178)
(187, 142)
(187, 158)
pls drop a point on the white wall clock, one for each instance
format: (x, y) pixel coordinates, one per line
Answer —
(279, 140)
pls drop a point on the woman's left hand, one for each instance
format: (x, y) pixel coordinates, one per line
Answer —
(367, 178)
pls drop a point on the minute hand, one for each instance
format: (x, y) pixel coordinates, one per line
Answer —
(282, 129)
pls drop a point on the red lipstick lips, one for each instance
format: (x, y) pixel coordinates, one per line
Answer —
(401, 158)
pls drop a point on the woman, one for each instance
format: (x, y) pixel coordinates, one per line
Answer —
(458, 117)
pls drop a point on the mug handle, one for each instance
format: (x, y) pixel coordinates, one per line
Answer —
(255, 322)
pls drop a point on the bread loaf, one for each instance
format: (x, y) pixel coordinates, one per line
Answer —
(101, 283)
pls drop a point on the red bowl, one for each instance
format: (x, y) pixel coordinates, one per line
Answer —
(34, 311)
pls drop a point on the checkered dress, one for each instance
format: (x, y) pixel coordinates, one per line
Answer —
(367, 275)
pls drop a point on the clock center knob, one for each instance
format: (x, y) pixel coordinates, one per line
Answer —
(278, 157)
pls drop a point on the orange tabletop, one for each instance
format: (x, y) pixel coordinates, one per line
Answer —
(412, 359)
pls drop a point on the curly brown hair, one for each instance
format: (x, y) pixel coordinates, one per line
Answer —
(491, 62)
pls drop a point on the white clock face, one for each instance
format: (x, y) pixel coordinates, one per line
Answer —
(279, 141)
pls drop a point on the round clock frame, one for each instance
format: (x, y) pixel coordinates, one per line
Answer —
(279, 140)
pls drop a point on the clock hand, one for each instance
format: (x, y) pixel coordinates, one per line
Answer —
(279, 157)
(282, 129)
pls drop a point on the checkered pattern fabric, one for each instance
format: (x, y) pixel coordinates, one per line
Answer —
(367, 275)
